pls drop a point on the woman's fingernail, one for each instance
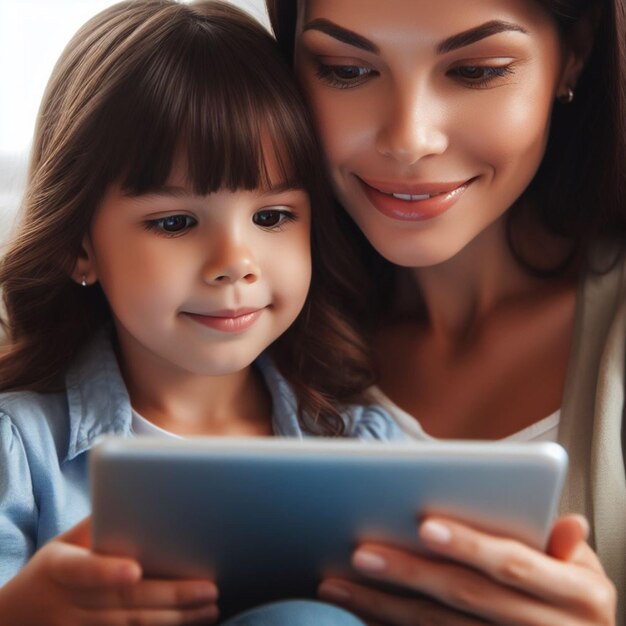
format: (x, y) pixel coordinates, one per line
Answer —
(370, 561)
(130, 572)
(584, 525)
(334, 592)
(435, 532)
(207, 591)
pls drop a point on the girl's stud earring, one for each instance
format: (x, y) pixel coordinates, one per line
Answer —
(567, 97)
(83, 282)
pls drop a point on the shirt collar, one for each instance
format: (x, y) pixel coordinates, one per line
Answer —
(284, 402)
(97, 398)
(99, 403)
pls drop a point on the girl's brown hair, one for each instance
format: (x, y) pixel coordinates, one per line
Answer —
(138, 83)
(579, 191)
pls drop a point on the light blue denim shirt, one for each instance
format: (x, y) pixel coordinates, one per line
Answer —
(44, 438)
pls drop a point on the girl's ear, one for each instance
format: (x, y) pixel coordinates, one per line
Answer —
(578, 44)
(84, 272)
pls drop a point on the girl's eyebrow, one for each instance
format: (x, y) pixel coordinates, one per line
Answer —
(454, 42)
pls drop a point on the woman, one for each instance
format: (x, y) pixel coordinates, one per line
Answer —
(480, 148)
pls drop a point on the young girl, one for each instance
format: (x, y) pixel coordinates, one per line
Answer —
(479, 148)
(165, 244)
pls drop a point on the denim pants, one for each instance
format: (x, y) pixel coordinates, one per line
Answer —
(295, 613)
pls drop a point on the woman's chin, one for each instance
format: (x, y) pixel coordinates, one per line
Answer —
(409, 252)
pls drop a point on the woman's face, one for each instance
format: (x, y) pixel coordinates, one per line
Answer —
(434, 114)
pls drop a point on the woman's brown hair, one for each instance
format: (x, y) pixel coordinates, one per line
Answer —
(579, 191)
(138, 83)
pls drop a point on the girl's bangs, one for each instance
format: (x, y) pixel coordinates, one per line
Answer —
(217, 109)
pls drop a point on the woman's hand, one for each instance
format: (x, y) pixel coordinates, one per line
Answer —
(477, 578)
(66, 584)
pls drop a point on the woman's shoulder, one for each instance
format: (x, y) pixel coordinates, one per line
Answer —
(605, 263)
(602, 291)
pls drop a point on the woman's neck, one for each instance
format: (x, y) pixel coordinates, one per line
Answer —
(459, 295)
(483, 351)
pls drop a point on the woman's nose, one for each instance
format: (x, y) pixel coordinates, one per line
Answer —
(412, 125)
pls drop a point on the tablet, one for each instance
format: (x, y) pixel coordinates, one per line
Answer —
(268, 518)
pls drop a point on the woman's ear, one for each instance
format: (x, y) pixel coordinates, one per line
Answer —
(578, 44)
(84, 271)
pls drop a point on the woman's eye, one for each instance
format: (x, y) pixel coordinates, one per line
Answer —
(272, 218)
(478, 75)
(172, 224)
(344, 75)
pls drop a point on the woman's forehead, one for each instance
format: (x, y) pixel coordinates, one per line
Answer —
(417, 18)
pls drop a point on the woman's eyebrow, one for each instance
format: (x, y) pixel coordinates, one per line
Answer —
(473, 35)
(454, 42)
(341, 34)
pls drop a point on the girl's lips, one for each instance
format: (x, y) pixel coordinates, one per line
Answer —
(227, 323)
(416, 203)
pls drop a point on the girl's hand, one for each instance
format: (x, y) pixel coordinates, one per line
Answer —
(478, 578)
(66, 584)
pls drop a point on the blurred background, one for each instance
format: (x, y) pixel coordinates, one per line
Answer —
(32, 35)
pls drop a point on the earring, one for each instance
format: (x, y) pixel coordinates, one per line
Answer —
(567, 97)
(83, 282)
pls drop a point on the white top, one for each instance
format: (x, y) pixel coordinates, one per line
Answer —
(546, 429)
(141, 427)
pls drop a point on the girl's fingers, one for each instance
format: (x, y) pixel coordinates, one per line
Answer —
(204, 615)
(380, 607)
(152, 594)
(76, 567)
(79, 535)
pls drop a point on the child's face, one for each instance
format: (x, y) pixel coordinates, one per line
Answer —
(445, 103)
(201, 284)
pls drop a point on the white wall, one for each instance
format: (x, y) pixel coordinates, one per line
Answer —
(32, 35)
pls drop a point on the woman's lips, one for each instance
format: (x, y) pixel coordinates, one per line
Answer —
(413, 202)
(227, 322)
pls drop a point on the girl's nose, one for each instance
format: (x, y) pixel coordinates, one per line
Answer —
(231, 262)
(412, 127)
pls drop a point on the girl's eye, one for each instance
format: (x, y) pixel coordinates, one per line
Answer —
(172, 224)
(272, 218)
(478, 75)
(343, 76)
